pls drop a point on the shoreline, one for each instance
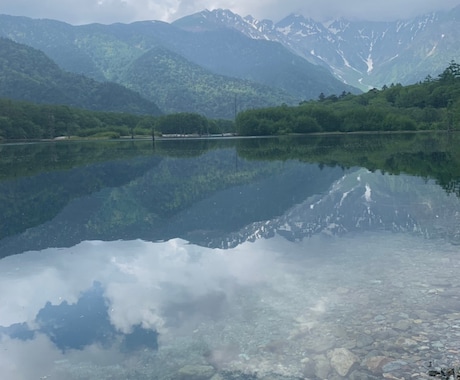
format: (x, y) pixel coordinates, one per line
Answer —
(212, 137)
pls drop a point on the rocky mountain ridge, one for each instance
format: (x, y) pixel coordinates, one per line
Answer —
(361, 53)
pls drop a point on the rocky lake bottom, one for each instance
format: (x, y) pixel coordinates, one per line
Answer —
(364, 307)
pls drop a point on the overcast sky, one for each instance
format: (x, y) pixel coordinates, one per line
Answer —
(110, 11)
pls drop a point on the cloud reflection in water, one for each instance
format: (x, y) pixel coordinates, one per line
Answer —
(270, 301)
(121, 293)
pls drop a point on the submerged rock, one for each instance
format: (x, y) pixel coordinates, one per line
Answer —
(406, 342)
(342, 360)
(394, 365)
(375, 363)
(402, 325)
(322, 366)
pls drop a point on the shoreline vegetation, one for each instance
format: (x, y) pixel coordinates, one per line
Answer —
(431, 105)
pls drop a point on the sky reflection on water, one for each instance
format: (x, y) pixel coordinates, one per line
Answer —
(271, 292)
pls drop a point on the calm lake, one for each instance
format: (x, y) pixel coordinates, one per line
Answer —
(315, 257)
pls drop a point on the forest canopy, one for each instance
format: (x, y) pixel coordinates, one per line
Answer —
(23, 120)
(433, 104)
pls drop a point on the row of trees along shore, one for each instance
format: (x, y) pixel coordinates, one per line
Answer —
(433, 104)
(22, 120)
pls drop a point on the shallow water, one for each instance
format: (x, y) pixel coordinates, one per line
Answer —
(218, 265)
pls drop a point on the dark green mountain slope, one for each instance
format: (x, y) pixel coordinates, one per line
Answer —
(28, 74)
(177, 84)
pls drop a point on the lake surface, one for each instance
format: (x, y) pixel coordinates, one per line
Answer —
(320, 257)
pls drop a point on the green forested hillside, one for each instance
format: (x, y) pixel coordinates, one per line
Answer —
(28, 74)
(433, 104)
(175, 83)
(430, 105)
(179, 81)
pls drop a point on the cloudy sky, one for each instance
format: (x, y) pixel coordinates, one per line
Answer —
(110, 11)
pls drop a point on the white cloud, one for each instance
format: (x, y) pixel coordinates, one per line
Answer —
(27, 360)
(110, 11)
(139, 277)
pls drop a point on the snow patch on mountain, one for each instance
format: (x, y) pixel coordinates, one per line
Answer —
(432, 51)
(370, 64)
(376, 50)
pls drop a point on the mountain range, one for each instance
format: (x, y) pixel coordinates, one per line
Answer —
(364, 54)
(215, 74)
(218, 63)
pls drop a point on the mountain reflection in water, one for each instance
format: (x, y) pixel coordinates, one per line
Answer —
(236, 259)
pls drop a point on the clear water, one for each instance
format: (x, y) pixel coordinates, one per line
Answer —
(317, 258)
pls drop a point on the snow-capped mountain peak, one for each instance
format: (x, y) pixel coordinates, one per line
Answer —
(363, 54)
